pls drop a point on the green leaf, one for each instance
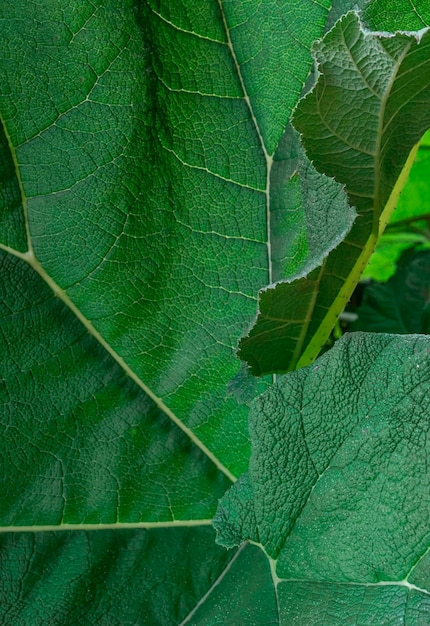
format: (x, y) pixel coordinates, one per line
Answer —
(272, 50)
(143, 158)
(340, 7)
(107, 577)
(244, 595)
(12, 223)
(81, 443)
(149, 175)
(392, 15)
(310, 217)
(337, 491)
(393, 243)
(136, 161)
(119, 577)
(359, 124)
(401, 305)
(338, 604)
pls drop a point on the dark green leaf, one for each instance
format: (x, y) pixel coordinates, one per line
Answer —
(80, 442)
(151, 186)
(310, 217)
(112, 578)
(369, 108)
(245, 595)
(136, 158)
(316, 604)
(401, 305)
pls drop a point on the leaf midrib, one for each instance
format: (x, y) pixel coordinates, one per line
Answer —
(108, 526)
(382, 583)
(268, 157)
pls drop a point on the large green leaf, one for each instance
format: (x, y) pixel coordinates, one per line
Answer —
(143, 174)
(404, 231)
(340, 7)
(137, 146)
(337, 491)
(81, 443)
(369, 108)
(142, 153)
(107, 577)
(120, 577)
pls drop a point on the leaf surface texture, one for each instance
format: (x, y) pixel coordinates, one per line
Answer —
(359, 124)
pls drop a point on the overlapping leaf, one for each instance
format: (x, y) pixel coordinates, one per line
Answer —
(337, 491)
(392, 15)
(369, 108)
(142, 156)
(107, 577)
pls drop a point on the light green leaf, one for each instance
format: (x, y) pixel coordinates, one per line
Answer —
(369, 108)
(394, 242)
(337, 492)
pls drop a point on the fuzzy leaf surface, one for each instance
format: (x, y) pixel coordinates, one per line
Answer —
(359, 124)
(337, 491)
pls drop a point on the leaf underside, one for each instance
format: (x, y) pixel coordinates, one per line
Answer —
(368, 109)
